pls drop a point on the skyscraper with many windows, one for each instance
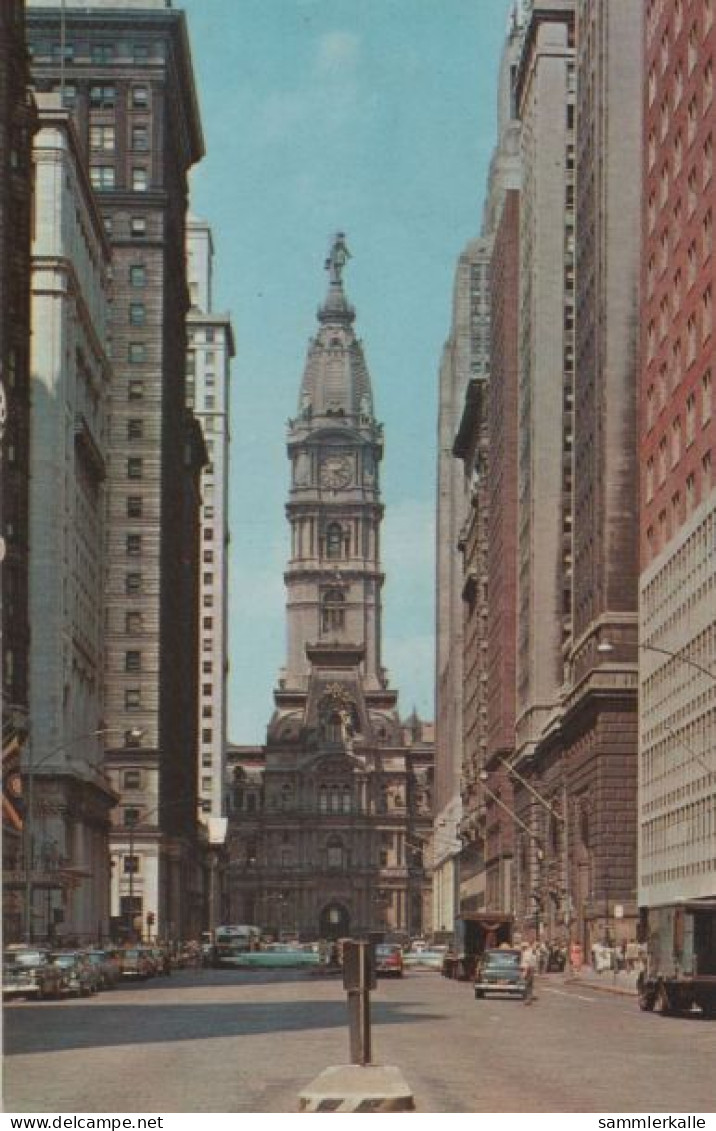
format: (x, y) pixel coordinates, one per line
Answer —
(125, 71)
(211, 348)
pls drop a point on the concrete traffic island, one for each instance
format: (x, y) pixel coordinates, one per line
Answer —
(358, 1087)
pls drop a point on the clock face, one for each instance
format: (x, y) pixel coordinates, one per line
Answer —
(336, 471)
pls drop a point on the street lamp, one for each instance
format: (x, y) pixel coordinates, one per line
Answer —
(138, 816)
(606, 647)
(29, 839)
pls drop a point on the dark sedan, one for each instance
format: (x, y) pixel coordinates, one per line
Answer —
(502, 972)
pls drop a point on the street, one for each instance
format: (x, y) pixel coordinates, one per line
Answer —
(233, 1041)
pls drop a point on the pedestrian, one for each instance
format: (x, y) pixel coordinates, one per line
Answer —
(529, 965)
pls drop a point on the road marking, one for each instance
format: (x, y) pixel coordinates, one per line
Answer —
(565, 993)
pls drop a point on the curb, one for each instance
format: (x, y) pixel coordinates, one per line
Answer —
(601, 987)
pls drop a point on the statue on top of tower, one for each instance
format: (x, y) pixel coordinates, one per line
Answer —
(338, 257)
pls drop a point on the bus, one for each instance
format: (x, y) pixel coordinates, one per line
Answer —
(230, 942)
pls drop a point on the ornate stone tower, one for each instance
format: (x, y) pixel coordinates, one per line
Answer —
(334, 579)
(328, 820)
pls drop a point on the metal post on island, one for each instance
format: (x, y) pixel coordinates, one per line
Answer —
(359, 979)
(360, 1085)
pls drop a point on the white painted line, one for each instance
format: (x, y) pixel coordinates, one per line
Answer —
(564, 993)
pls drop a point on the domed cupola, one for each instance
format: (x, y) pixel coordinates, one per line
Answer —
(336, 382)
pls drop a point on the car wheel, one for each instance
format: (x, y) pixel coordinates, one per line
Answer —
(662, 1002)
(479, 995)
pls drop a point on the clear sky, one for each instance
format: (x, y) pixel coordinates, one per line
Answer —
(377, 118)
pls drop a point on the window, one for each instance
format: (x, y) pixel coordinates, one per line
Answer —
(334, 540)
(138, 227)
(334, 853)
(133, 737)
(102, 137)
(140, 97)
(133, 623)
(706, 397)
(132, 661)
(102, 97)
(135, 390)
(207, 734)
(140, 52)
(140, 138)
(134, 467)
(135, 428)
(134, 544)
(102, 177)
(332, 610)
(137, 314)
(132, 779)
(132, 699)
(207, 711)
(140, 180)
(137, 275)
(131, 863)
(134, 506)
(137, 353)
(102, 52)
(133, 584)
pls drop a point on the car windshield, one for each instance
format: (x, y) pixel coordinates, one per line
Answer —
(502, 958)
(64, 959)
(387, 950)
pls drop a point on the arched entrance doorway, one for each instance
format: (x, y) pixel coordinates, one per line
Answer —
(334, 922)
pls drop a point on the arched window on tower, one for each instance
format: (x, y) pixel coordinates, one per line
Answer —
(334, 540)
(333, 610)
(323, 799)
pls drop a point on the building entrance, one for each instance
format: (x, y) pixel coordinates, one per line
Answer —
(334, 922)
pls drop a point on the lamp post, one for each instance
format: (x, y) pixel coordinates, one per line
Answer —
(539, 849)
(137, 816)
(29, 838)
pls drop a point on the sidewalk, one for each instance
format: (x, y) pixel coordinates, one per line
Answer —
(610, 981)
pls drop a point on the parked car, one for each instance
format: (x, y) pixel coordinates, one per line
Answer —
(107, 967)
(134, 964)
(389, 959)
(28, 972)
(82, 977)
(502, 972)
(429, 958)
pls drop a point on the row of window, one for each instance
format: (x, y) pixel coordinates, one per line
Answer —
(103, 96)
(103, 137)
(104, 178)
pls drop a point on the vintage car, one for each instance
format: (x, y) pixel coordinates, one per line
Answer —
(389, 959)
(134, 963)
(82, 977)
(107, 967)
(28, 972)
(502, 972)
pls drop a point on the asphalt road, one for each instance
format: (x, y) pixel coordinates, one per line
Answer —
(240, 1041)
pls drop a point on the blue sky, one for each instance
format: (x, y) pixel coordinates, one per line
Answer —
(377, 118)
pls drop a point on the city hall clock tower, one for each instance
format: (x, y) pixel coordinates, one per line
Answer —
(330, 844)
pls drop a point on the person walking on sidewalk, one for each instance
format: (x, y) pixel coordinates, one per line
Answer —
(530, 960)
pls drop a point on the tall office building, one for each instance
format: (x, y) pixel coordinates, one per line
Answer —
(465, 357)
(600, 707)
(70, 383)
(331, 843)
(545, 103)
(16, 128)
(17, 122)
(211, 348)
(125, 70)
(677, 626)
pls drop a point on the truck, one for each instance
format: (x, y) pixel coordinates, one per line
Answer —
(680, 942)
(476, 932)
